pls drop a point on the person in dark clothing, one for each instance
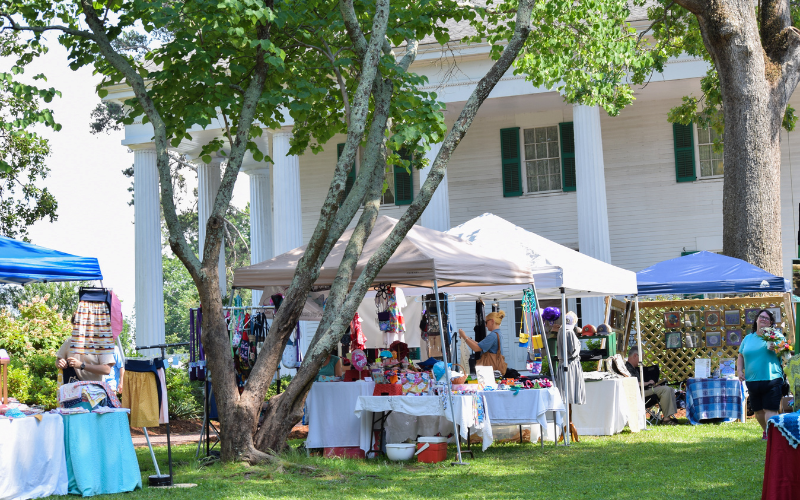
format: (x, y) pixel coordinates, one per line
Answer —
(666, 395)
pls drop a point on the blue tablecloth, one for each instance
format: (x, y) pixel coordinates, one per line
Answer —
(708, 398)
(789, 425)
(100, 454)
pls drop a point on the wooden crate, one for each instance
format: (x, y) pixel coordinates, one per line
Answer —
(678, 364)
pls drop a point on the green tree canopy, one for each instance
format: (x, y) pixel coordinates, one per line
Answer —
(23, 151)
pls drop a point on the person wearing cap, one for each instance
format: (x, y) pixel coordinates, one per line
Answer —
(491, 343)
(665, 394)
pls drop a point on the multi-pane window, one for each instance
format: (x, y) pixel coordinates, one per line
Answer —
(542, 159)
(710, 160)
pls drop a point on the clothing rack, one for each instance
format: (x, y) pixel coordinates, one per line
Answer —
(159, 479)
(205, 433)
(231, 308)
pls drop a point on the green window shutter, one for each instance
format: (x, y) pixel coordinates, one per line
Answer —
(351, 175)
(566, 132)
(509, 152)
(403, 186)
(403, 182)
(684, 152)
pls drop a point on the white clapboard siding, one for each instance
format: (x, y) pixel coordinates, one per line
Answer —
(651, 216)
(316, 173)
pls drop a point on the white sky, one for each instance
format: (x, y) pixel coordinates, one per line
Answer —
(94, 219)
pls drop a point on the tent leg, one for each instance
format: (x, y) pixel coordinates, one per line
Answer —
(639, 345)
(564, 364)
(540, 324)
(445, 331)
(152, 453)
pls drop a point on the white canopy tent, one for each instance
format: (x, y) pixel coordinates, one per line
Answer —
(424, 256)
(554, 266)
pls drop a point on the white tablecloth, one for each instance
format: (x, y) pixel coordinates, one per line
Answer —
(330, 413)
(32, 459)
(607, 409)
(527, 407)
(419, 406)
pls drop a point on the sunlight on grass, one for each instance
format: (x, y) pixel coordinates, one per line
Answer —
(698, 462)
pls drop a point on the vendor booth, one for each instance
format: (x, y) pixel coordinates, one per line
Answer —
(693, 339)
(425, 260)
(559, 273)
(72, 450)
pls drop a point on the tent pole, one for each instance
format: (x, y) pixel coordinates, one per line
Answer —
(564, 362)
(544, 334)
(639, 345)
(443, 330)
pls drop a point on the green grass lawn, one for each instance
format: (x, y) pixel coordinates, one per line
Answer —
(697, 462)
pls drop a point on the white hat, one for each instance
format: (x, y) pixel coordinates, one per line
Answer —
(571, 319)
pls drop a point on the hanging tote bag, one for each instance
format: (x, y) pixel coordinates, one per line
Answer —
(495, 360)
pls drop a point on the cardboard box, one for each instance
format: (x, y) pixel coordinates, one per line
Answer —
(344, 452)
(434, 346)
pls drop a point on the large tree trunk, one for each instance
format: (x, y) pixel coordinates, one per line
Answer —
(751, 193)
(757, 68)
(237, 415)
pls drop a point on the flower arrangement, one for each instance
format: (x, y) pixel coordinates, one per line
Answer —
(775, 339)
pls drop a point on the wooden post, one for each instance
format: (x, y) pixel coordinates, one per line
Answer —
(4, 380)
(787, 302)
(627, 323)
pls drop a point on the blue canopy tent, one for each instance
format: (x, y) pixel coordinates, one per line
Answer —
(22, 263)
(707, 272)
(703, 272)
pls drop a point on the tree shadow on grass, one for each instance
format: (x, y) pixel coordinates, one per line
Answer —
(703, 462)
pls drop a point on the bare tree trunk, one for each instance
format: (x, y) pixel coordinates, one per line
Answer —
(751, 193)
(758, 71)
(751, 202)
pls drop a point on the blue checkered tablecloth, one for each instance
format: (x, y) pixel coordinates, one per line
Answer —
(714, 398)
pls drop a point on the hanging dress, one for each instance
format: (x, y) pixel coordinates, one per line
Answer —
(577, 389)
(397, 324)
(357, 338)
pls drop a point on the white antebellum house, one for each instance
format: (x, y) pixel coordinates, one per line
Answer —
(631, 190)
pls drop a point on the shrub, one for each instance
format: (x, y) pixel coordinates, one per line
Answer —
(273, 388)
(32, 339)
(185, 397)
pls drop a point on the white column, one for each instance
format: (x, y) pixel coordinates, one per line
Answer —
(593, 238)
(147, 230)
(288, 227)
(260, 217)
(208, 181)
(437, 213)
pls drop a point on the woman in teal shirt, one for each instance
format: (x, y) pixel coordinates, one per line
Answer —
(759, 366)
(333, 368)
